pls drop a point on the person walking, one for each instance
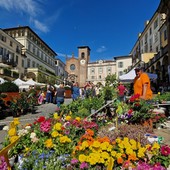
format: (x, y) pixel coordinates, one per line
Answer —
(49, 97)
(121, 92)
(142, 84)
(60, 93)
(76, 91)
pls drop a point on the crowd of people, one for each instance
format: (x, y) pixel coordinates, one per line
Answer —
(141, 86)
(56, 95)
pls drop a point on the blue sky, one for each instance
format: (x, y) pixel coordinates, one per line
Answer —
(109, 27)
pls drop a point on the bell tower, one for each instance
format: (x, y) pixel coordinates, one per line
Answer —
(83, 58)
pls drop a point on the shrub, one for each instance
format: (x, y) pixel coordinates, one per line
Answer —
(9, 87)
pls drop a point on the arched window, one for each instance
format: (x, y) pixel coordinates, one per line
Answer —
(82, 55)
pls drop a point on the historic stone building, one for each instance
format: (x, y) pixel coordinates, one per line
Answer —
(77, 67)
(39, 63)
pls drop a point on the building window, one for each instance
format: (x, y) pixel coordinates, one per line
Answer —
(150, 31)
(28, 63)
(100, 70)
(120, 64)
(100, 77)
(23, 63)
(157, 49)
(155, 24)
(72, 67)
(92, 70)
(82, 55)
(155, 37)
(11, 43)
(33, 64)
(92, 77)
(146, 38)
(165, 35)
(17, 59)
(120, 73)
(109, 70)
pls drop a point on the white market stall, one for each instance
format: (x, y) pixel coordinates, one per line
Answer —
(129, 77)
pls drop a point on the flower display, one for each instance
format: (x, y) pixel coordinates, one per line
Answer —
(65, 141)
(3, 164)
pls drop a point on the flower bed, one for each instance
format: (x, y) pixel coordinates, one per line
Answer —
(65, 140)
(79, 143)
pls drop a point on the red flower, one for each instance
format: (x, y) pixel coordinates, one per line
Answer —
(41, 119)
(165, 150)
(130, 111)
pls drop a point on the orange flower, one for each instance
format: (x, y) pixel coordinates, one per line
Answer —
(119, 160)
(90, 132)
(104, 139)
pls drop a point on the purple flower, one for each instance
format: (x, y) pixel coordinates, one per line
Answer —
(83, 165)
(74, 161)
(3, 164)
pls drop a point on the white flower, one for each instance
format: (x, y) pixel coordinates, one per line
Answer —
(22, 132)
(6, 128)
(28, 127)
(33, 135)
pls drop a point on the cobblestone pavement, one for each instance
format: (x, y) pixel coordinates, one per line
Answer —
(46, 109)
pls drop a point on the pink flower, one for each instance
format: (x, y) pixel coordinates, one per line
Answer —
(74, 161)
(45, 126)
(165, 150)
(83, 165)
(3, 164)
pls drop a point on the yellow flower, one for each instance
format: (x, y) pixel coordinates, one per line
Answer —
(13, 138)
(49, 143)
(105, 155)
(109, 148)
(129, 151)
(67, 118)
(12, 132)
(85, 145)
(96, 144)
(118, 140)
(64, 139)
(16, 121)
(93, 158)
(82, 158)
(113, 153)
(155, 146)
(56, 116)
(55, 134)
(27, 149)
(104, 145)
(70, 113)
(78, 118)
(57, 126)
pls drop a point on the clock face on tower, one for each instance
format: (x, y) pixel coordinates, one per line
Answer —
(82, 62)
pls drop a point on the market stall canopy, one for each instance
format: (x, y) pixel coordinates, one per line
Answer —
(19, 82)
(2, 65)
(2, 80)
(31, 82)
(131, 75)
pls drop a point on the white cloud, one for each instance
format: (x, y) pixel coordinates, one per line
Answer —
(64, 55)
(101, 49)
(40, 26)
(22, 6)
